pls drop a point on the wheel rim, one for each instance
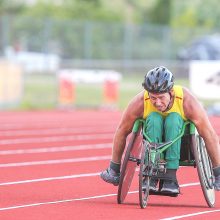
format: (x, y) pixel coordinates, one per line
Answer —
(144, 181)
(204, 169)
(128, 176)
(206, 165)
(129, 166)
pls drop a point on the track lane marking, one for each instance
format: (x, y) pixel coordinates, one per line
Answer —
(60, 161)
(52, 124)
(56, 139)
(47, 162)
(55, 149)
(53, 131)
(73, 200)
(50, 179)
(66, 177)
(58, 201)
(190, 215)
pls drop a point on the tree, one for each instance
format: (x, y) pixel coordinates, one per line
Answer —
(8, 7)
(161, 12)
(193, 14)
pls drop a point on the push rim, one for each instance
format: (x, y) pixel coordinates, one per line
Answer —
(129, 165)
(204, 169)
(144, 179)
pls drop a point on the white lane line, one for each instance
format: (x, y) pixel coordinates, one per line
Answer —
(190, 215)
(58, 201)
(50, 179)
(69, 177)
(56, 149)
(53, 131)
(56, 139)
(189, 184)
(46, 162)
(58, 124)
(66, 200)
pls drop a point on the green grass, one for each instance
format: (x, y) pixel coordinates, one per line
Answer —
(41, 92)
(88, 95)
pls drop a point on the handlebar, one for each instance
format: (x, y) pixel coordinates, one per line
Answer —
(141, 123)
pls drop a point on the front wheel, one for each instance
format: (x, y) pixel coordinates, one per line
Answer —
(144, 179)
(129, 165)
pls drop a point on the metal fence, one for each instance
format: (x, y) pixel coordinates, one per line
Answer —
(129, 49)
(90, 44)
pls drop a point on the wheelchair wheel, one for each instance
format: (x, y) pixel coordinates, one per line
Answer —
(204, 168)
(144, 179)
(130, 162)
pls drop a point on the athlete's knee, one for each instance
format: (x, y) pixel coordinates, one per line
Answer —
(154, 126)
(174, 117)
(173, 121)
(155, 117)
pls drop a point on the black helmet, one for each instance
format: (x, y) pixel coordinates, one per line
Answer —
(158, 80)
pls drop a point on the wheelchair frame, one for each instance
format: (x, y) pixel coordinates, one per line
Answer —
(142, 152)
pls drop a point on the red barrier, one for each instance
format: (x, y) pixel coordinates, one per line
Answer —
(111, 93)
(66, 92)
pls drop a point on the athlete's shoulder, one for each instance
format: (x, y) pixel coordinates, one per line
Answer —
(136, 105)
(186, 91)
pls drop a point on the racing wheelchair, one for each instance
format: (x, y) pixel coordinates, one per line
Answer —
(147, 155)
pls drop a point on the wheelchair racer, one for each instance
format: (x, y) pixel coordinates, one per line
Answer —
(165, 107)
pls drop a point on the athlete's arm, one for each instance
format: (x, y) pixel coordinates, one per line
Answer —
(196, 113)
(132, 112)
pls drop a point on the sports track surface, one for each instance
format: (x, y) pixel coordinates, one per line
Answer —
(50, 164)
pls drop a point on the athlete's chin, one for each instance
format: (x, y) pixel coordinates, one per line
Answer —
(161, 109)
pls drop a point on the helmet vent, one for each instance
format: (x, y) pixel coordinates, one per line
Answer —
(158, 80)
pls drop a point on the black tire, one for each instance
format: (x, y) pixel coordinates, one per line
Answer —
(144, 179)
(204, 169)
(129, 165)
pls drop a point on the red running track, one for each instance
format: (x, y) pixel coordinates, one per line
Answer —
(50, 165)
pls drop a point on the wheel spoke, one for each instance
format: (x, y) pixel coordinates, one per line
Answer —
(204, 169)
(131, 159)
(144, 179)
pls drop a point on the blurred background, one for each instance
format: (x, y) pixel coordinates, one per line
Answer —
(95, 53)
